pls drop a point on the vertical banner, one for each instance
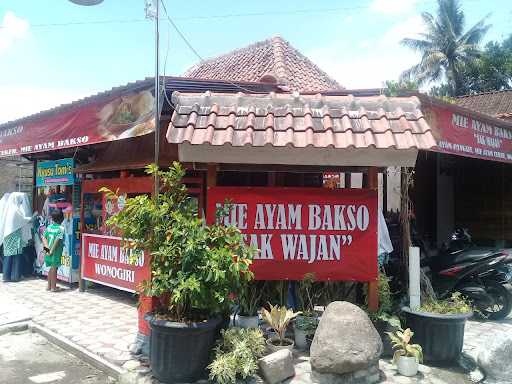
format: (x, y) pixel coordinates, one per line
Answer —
(331, 233)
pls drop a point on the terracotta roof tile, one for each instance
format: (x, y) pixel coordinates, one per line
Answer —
(299, 121)
(273, 58)
(496, 104)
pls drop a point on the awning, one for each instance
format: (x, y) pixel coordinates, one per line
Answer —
(298, 129)
(118, 114)
(469, 133)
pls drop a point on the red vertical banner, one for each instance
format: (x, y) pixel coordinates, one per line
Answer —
(331, 233)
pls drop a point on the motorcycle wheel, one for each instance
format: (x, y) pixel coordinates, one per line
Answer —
(502, 301)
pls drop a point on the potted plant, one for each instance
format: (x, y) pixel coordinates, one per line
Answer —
(194, 268)
(249, 301)
(236, 356)
(384, 319)
(407, 356)
(439, 326)
(305, 324)
(278, 319)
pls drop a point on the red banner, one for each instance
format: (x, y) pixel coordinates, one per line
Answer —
(106, 262)
(331, 233)
(463, 135)
(125, 116)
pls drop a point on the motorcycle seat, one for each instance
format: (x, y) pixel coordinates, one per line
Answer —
(474, 254)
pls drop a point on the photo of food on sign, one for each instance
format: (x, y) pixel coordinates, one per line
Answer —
(127, 116)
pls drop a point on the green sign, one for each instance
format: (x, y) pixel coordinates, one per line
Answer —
(55, 172)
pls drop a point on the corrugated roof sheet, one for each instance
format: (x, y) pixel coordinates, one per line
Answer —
(268, 60)
(299, 121)
(496, 104)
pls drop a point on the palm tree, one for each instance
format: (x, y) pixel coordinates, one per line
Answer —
(444, 47)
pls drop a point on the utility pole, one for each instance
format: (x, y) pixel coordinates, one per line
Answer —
(155, 13)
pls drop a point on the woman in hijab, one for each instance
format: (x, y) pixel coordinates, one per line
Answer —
(15, 232)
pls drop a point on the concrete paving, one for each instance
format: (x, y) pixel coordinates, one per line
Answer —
(103, 321)
(28, 358)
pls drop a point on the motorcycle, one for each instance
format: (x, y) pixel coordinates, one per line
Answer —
(482, 275)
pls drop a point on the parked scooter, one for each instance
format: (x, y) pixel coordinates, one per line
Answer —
(482, 275)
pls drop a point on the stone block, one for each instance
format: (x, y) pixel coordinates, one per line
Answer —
(277, 366)
(495, 357)
(345, 340)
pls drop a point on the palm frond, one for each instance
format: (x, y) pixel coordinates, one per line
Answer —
(476, 33)
(420, 45)
(451, 16)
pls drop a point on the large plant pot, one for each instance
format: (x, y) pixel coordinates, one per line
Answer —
(440, 336)
(179, 352)
(248, 321)
(382, 327)
(407, 366)
(301, 341)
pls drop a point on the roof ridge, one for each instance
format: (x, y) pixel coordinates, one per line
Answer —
(279, 56)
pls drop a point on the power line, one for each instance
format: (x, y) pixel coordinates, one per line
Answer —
(222, 16)
(201, 59)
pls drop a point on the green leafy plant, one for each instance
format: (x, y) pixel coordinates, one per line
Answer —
(385, 312)
(249, 298)
(196, 267)
(456, 304)
(278, 319)
(401, 341)
(307, 321)
(236, 356)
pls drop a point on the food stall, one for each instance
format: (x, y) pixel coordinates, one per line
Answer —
(271, 154)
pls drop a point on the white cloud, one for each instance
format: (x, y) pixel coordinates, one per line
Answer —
(12, 29)
(369, 63)
(410, 27)
(21, 101)
(392, 7)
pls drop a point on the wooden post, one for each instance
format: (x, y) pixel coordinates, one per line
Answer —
(373, 286)
(211, 177)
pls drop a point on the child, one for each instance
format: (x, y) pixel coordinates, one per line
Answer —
(53, 241)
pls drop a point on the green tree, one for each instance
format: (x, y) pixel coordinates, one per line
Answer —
(490, 72)
(397, 88)
(445, 47)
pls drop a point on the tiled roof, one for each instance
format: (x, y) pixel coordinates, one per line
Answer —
(293, 120)
(273, 59)
(496, 104)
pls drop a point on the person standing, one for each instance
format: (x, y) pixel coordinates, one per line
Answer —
(15, 232)
(53, 241)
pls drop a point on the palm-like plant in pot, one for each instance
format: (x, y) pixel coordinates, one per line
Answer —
(278, 318)
(193, 266)
(407, 356)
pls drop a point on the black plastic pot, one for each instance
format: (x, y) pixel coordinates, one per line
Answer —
(179, 352)
(382, 327)
(440, 336)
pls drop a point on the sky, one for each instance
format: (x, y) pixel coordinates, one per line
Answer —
(53, 52)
